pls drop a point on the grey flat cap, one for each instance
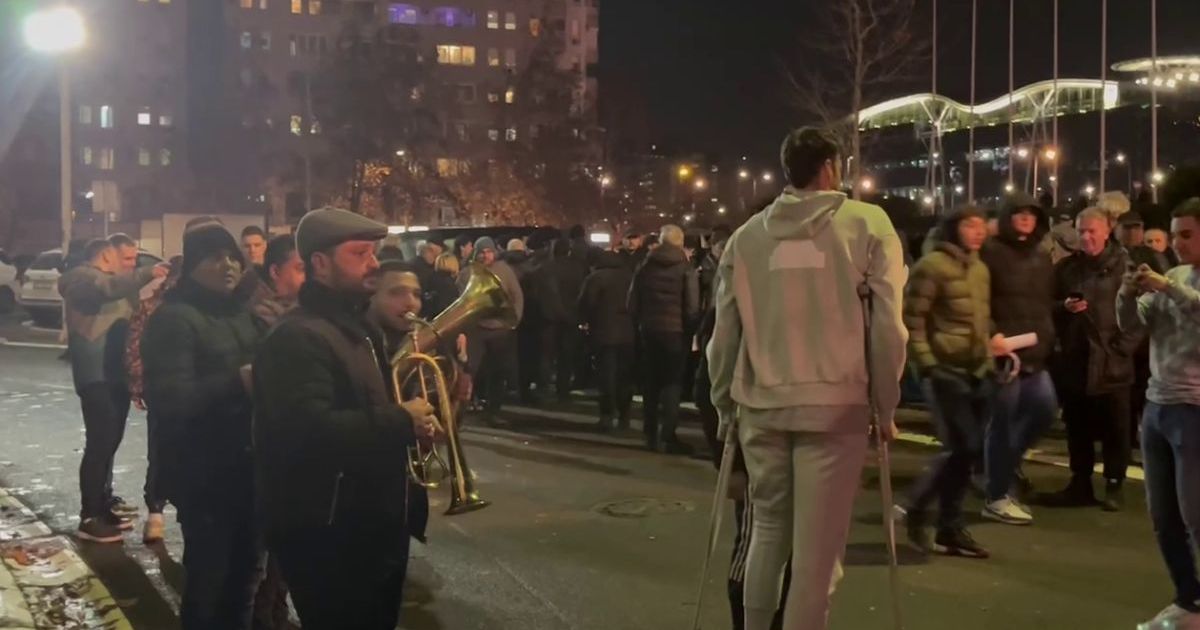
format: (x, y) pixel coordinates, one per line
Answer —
(326, 227)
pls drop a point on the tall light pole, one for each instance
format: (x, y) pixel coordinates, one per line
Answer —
(1054, 181)
(971, 152)
(59, 31)
(605, 182)
(1153, 96)
(1103, 87)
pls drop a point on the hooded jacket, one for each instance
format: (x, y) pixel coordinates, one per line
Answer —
(665, 294)
(602, 301)
(789, 317)
(1095, 355)
(1022, 277)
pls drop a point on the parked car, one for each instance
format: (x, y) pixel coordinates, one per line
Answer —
(39, 293)
(9, 286)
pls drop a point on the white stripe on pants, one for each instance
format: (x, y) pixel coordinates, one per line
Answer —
(802, 485)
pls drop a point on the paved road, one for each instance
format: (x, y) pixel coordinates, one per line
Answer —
(546, 555)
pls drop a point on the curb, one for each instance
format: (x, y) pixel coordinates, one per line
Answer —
(44, 584)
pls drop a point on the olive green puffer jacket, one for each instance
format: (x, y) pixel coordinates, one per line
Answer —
(947, 312)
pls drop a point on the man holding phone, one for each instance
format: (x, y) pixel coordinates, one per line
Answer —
(1094, 369)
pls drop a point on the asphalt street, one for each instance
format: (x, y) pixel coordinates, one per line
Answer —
(592, 532)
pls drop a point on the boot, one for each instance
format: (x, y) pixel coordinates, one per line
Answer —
(1078, 493)
(1113, 497)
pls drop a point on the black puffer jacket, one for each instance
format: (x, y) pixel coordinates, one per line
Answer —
(569, 269)
(193, 349)
(665, 294)
(1094, 355)
(602, 301)
(1022, 285)
(544, 305)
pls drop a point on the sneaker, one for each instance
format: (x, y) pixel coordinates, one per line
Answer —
(1173, 617)
(958, 542)
(1007, 511)
(122, 523)
(98, 530)
(120, 507)
(1113, 497)
(153, 530)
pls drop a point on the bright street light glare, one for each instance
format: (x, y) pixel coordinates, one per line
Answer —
(701, 184)
(768, 177)
(605, 181)
(1022, 153)
(721, 210)
(1120, 158)
(1158, 177)
(1009, 187)
(928, 200)
(958, 190)
(743, 174)
(867, 183)
(1051, 154)
(54, 30)
(1089, 190)
(684, 172)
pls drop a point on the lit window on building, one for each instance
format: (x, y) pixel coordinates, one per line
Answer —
(164, 120)
(293, 49)
(453, 17)
(447, 167)
(493, 19)
(417, 93)
(456, 55)
(143, 157)
(494, 57)
(314, 7)
(297, 125)
(510, 96)
(510, 58)
(403, 14)
(297, 7)
(247, 39)
(510, 21)
(535, 27)
(106, 116)
(511, 134)
(493, 97)
(145, 118)
(247, 4)
(262, 4)
(493, 134)
(106, 159)
(85, 155)
(85, 114)
(315, 128)
(164, 157)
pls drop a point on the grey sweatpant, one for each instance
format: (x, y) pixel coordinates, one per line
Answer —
(802, 486)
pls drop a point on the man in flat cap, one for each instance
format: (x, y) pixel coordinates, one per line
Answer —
(331, 443)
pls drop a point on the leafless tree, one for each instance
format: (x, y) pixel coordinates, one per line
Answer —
(861, 50)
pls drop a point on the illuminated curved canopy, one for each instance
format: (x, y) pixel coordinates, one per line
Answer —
(1164, 63)
(1037, 100)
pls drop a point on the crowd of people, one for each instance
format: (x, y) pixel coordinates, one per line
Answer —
(275, 432)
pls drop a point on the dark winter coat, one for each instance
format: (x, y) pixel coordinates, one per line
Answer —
(602, 301)
(1095, 356)
(330, 441)
(423, 270)
(520, 261)
(193, 349)
(569, 269)
(665, 294)
(707, 271)
(544, 304)
(946, 311)
(1022, 277)
(438, 292)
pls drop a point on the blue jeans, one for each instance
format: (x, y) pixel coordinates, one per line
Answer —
(960, 410)
(1022, 412)
(1171, 458)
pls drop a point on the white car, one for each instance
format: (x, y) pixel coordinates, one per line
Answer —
(39, 294)
(9, 287)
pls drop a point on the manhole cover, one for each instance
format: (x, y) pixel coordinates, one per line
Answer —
(641, 508)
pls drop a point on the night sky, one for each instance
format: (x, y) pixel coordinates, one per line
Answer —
(708, 72)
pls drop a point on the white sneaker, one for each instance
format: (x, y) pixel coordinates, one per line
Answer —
(1007, 511)
(1173, 618)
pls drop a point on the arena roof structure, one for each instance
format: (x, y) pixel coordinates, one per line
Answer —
(1029, 103)
(1180, 62)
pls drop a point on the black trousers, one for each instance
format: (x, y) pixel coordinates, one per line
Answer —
(529, 362)
(154, 492)
(105, 408)
(1104, 417)
(496, 365)
(223, 559)
(663, 356)
(615, 371)
(345, 577)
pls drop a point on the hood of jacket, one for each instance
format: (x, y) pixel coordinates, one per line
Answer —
(1021, 201)
(801, 214)
(667, 255)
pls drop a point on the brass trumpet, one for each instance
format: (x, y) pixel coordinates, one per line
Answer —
(483, 298)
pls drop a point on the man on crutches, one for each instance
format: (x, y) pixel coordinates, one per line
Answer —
(787, 351)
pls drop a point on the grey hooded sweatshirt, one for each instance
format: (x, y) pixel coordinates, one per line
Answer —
(789, 327)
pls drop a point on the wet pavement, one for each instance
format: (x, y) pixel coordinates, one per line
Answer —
(587, 531)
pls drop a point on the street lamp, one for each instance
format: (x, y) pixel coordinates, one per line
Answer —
(1008, 187)
(721, 210)
(59, 31)
(684, 172)
(1023, 153)
(1089, 190)
(743, 174)
(605, 182)
(1120, 158)
(1050, 154)
(867, 184)
(700, 184)
(767, 177)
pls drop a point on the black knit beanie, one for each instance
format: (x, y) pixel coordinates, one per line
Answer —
(202, 242)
